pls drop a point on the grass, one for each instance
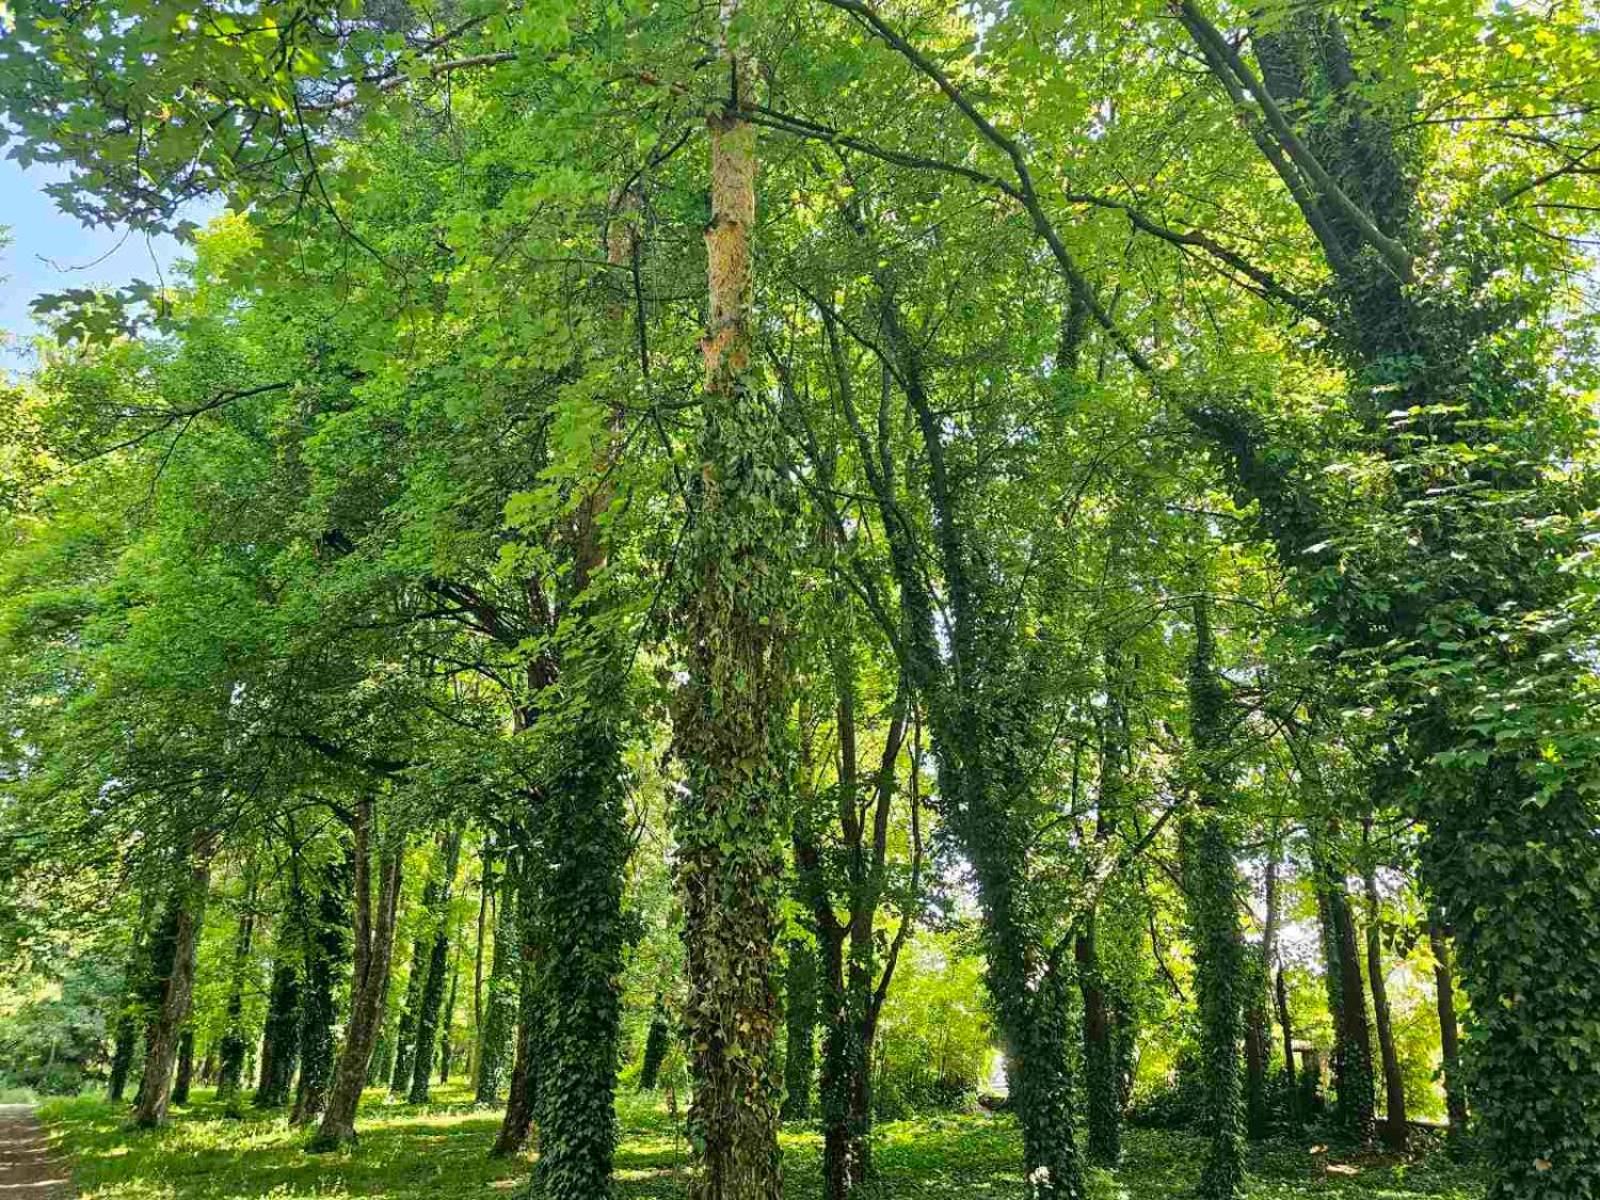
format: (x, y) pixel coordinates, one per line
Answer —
(438, 1152)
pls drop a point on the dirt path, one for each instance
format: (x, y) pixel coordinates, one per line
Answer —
(28, 1171)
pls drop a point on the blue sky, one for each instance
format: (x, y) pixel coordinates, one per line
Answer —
(50, 252)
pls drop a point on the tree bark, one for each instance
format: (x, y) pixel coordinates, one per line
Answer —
(156, 1091)
(375, 918)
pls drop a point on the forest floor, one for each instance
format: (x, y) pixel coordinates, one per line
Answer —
(438, 1152)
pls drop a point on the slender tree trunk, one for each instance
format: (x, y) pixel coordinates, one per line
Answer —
(1258, 1019)
(500, 1012)
(406, 1030)
(234, 1046)
(1103, 1101)
(156, 1091)
(432, 998)
(447, 1025)
(375, 918)
(730, 713)
(180, 1086)
(1285, 1022)
(485, 897)
(1455, 1097)
(1395, 1125)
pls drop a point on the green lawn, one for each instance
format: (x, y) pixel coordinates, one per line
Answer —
(437, 1152)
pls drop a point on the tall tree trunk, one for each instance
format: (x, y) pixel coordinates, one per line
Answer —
(375, 918)
(800, 1025)
(1395, 1127)
(326, 951)
(1455, 1095)
(1211, 888)
(729, 714)
(280, 1040)
(432, 998)
(188, 902)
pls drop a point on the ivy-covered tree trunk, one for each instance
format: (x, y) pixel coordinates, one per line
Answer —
(730, 714)
(374, 935)
(188, 908)
(326, 951)
(235, 1044)
(280, 1039)
(185, 1076)
(1395, 1123)
(577, 927)
(800, 1025)
(1211, 892)
(500, 1006)
(1455, 1093)
(431, 999)
(1258, 1020)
